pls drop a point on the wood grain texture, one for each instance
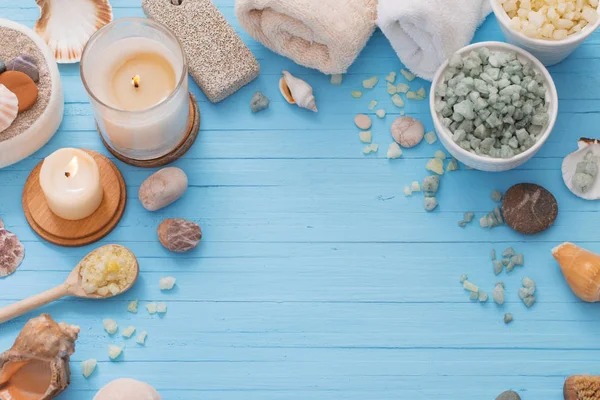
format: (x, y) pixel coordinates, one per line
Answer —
(315, 277)
(86, 231)
(187, 142)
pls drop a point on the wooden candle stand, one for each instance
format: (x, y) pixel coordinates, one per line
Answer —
(67, 233)
(180, 150)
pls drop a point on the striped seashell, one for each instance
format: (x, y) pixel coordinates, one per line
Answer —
(9, 107)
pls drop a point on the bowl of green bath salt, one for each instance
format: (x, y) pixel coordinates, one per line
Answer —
(493, 105)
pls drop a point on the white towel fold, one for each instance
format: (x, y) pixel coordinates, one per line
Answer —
(326, 35)
(425, 33)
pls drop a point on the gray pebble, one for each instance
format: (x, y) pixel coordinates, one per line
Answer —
(25, 63)
(259, 102)
(508, 395)
(508, 318)
(430, 203)
(2, 66)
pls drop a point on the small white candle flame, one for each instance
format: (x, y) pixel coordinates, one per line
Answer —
(72, 167)
(135, 81)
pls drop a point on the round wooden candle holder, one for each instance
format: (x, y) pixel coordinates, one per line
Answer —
(180, 150)
(67, 233)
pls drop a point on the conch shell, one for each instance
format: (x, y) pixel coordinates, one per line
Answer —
(582, 387)
(296, 91)
(580, 170)
(581, 269)
(67, 25)
(37, 366)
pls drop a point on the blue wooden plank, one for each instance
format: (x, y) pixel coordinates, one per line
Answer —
(316, 277)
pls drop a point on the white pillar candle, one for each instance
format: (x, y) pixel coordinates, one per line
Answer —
(70, 180)
(144, 118)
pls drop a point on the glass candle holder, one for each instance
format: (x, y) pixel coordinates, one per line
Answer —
(146, 115)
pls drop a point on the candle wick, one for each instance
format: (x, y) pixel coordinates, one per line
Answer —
(67, 174)
(135, 81)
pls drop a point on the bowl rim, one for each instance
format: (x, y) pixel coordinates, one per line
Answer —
(519, 158)
(504, 20)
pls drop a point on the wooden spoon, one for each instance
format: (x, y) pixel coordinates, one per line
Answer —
(72, 286)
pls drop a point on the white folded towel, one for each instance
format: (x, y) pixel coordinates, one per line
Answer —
(425, 33)
(326, 35)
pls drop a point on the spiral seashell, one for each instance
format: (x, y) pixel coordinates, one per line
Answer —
(9, 107)
(581, 269)
(296, 91)
(67, 25)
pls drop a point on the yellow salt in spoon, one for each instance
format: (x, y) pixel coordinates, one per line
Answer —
(87, 280)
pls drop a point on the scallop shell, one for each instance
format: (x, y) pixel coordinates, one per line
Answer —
(67, 25)
(9, 107)
(297, 91)
(569, 167)
(37, 365)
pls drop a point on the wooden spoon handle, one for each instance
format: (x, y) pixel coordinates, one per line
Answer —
(21, 307)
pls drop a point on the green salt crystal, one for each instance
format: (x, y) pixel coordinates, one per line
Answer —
(440, 154)
(529, 301)
(421, 94)
(462, 224)
(493, 254)
(463, 278)
(528, 283)
(380, 113)
(468, 216)
(474, 295)
(372, 104)
(508, 252)
(402, 88)
(430, 186)
(397, 100)
(431, 138)
(510, 267)
(517, 259)
(483, 296)
(525, 292)
(371, 82)
(508, 318)
(435, 165)
(391, 89)
(498, 294)
(483, 222)
(415, 186)
(412, 96)
(505, 261)
(497, 267)
(496, 195)
(259, 102)
(336, 79)
(409, 76)
(391, 77)
(430, 203)
(470, 287)
(356, 94)
(452, 166)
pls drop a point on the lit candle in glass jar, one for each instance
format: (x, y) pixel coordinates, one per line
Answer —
(70, 180)
(135, 72)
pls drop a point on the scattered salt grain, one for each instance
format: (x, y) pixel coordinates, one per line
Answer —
(356, 94)
(372, 104)
(430, 203)
(470, 287)
(435, 165)
(365, 136)
(391, 78)
(114, 351)
(498, 293)
(440, 154)
(430, 186)
(430, 138)
(166, 283)
(380, 113)
(141, 338)
(127, 332)
(407, 191)
(151, 308)
(463, 278)
(409, 76)
(493, 254)
(336, 79)
(496, 196)
(132, 306)
(415, 186)
(110, 326)
(508, 318)
(397, 100)
(394, 151)
(161, 308)
(483, 296)
(372, 148)
(402, 88)
(517, 259)
(528, 282)
(371, 82)
(508, 252)
(88, 367)
(391, 89)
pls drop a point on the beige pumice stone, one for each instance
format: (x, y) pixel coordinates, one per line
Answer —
(162, 188)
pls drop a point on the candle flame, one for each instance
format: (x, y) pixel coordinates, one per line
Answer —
(135, 81)
(72, 167)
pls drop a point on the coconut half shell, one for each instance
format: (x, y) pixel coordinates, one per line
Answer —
(67, 25)
(569, 168)
(37, 366)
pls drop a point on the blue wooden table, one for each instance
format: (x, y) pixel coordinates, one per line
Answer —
(316, 278)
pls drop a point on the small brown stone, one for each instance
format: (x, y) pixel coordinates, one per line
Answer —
(529, 208)
(21, 85)
(179, 235)
(363, 121)
(12, 252)
(582, 387)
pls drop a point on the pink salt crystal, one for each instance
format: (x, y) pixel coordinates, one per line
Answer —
(12, 252)
(407, 131)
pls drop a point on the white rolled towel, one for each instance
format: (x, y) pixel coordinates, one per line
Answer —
(425, 33)
(326, 35)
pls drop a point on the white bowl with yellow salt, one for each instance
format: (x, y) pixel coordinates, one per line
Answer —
(547, 32)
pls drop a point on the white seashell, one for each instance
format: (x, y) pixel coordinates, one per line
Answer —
(297, 91)
(67, 25)
(591, 149)
(9, 107)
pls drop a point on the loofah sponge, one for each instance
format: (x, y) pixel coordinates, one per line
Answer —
(582, 387)
(217, 58)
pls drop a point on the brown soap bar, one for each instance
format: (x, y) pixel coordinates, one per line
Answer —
(217, 58)
(582, 387)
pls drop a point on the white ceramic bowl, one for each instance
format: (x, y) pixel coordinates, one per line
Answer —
(485, 163)
(549, 52)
